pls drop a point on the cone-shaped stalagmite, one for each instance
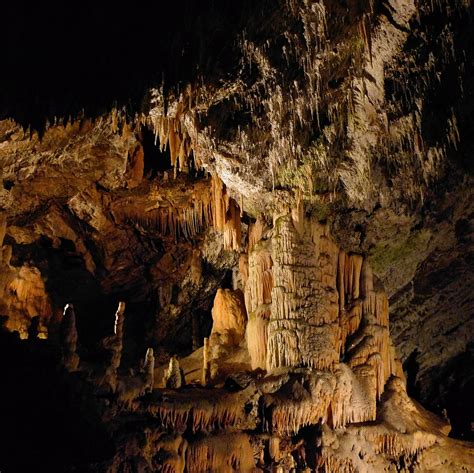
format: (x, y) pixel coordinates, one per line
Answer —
(149, 370)
(173, 377)
(114, 344)
(229, 321)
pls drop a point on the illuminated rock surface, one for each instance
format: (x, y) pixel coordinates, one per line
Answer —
(281, 194)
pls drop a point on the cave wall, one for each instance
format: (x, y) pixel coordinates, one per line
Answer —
(159, 189)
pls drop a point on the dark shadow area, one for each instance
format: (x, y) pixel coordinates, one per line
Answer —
(156, 161)
(62, 60)
(411, 368)
(69, 281)
(46, 412)
(452, 391)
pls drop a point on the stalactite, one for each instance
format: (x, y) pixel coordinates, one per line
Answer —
(332, 463)
(255, 234)
(165, 293)
(367, 284)
(219, 208)
(171, 221)
(3, 228)
(226, 215)
(306, 403)
(348, 277)
(171, 449)
(244, 270)
(23, 294)
(274, 448)
(232, 227)
(231, 452)
(173, 142)
(68, 336)
(201, 413)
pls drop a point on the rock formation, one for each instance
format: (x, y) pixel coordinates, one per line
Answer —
(228, 329)
(114, 345)
(174, 377)
(149, 369)
(282, 192)
(68, 339)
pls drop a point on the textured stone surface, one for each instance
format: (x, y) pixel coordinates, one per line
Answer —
(354, 115)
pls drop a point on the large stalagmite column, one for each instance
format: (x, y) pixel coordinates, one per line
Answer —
(258, 296)
(304, 327)
(327, 313)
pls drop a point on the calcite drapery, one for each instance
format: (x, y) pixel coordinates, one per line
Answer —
(313, 306)
(258, 282)
(318, 325)
(226, 215)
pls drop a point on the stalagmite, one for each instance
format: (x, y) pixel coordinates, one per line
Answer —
(174, 377)
(114, 344)
(228, 316)
(258, 297)
(304, 274)
(149, 370)
(68, 337)
(119, 320)
(206, 364)
(229, 320)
